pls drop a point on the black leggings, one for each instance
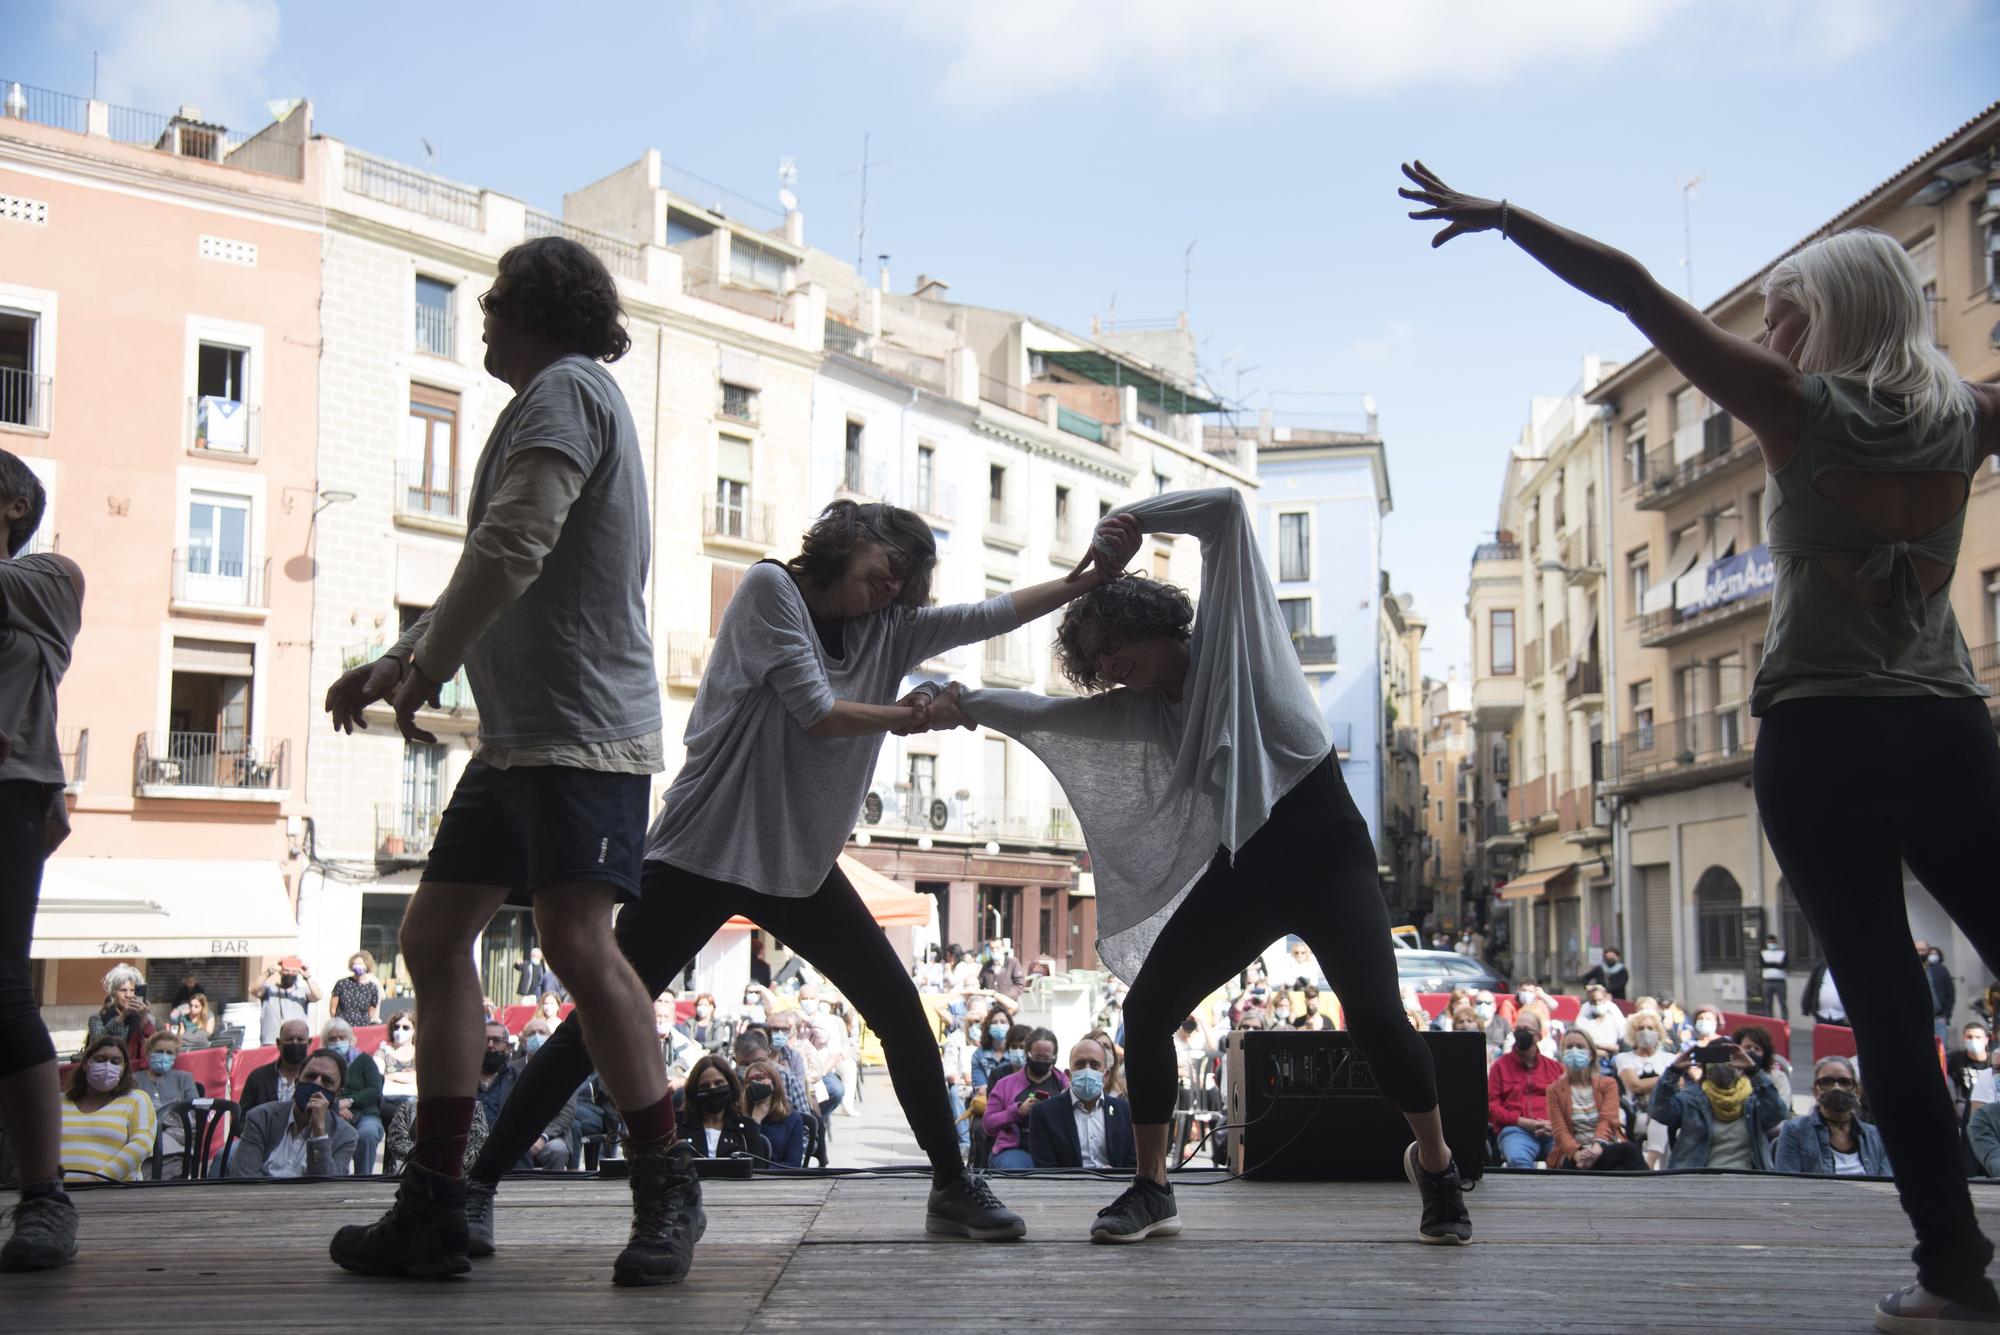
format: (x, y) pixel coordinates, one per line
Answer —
(1310, 869)
(676, 913)
(1851, 789)
(24, 1039)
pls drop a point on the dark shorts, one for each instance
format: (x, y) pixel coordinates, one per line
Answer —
(542, 825)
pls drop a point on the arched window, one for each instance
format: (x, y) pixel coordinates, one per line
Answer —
(1802, 952)
(1718, 905)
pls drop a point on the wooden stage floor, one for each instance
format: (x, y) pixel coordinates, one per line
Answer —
(1553, 1253)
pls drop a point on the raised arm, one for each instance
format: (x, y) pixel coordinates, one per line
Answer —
(1748, 380)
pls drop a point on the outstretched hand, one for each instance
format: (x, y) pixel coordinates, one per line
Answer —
(945, 712)
(1464, 213)
(1112, 548)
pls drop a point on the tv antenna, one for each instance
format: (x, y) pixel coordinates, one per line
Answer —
(861, 228)
(1687, 231)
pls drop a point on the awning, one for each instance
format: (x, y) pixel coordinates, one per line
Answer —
(891, 904)
(1535, 884)
(101, 908)
(1156, 390)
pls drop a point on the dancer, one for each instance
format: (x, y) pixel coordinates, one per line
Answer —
(1202, 725)
(782, 743)
(1875, 749)
(546, 610)
(41, 609)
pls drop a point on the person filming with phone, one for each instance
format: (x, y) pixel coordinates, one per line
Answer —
(1724, 1108)
(1014, 1097)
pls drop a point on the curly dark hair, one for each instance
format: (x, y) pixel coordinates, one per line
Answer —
(554, 287)
(17, 480)
(1128, 608)
(823, 551)
(79, 1078)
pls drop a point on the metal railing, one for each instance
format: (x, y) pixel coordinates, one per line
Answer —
(1673, 623)
(1496, 551)
(929, 372)
(129, 125)
(748, 522)
(1005, 658)
(1986, 669)
(166, 761)
(1672, 749)
(407, 188)
(1583, 678)
(623, 258)
(737, 403)
(1315, 650)
(421, 494)
(24, 398)
(220, 579)
(224, 426)
(75, 746)
(404, 831)
(939, 500)
(701, 280)
(1702, 448)
(687, 657)
(841, 336)
(436, 331)
(354, 655)
(44, 106)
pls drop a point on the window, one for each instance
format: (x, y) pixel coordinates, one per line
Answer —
(1718, 905)
(1298, 614)
(1635, 451)
(1160, 483)
(732, 488)
(739, 402)
(1923, 255)
(723, 581)
(996, 495)
(1440, 815)
(1753, 520)
(1501, 647)
(436, 331)
(1688, 690)
(926, 497)
(208, 717)
(221, 422)
(1147, 420)
(850, 459)
(1991, 582)
(428, 470)
(1985, 233)
(217, 568)
(21, 390)
(1729, 703)
(1062, 516)
(1295, 546)
(1103, 511)
(752, 265)
(995, 757)
(1642, 715)
(423, 792)
(1639, 575)
(923, 781)
(1438, 768)
(1534, 526)
(1162, 561)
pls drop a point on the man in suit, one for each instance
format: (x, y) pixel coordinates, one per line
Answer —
(1083, 1127)
(302, 1136)
(534, 979)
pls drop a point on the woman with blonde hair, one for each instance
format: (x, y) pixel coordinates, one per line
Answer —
(196, 1022)
(1875, 749)
(357, 998)
(1583, 1113)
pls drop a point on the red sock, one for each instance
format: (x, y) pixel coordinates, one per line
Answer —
(443, 1127)
(654, 1123)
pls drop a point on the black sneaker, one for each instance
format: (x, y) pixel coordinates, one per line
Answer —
(667, 1218)
(1145, 1210)
(1446, 1221)
(422, 1237)
(44, 1235)
(968, 1208)
(1914, 1310)
(479, 1218)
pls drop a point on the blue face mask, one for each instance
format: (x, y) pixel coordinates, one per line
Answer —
(996, 1032)
(1576, 1058)
(344, 1048)
(1018, 1056)
(1086, 1085)
(780, 1040)
(160, 1062)
(532, 1043)
(302, 1095)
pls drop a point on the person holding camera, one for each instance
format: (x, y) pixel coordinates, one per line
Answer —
(1725, 1109)
(303, 1136)
(1832, 1140)
(285, 990)
(1583, 1113)
(1014, 1097)
(124, 1015)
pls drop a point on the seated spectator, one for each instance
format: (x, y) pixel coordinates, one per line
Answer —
(398, 1059)
(1639, 1071)
(303, 1136)
(1529, 997)
(1517, 1097)
(1413, 1010)
(755, 1044)
(677, 1050)
(402, 1134)
(1012, 1097)
(272, 1083)
(1600, 1017)
(1705, 1025)
(195, 1022)
(716, 1121)
(784, 1126)
(497, 1071)
(1831, 1140)
(1723, 1120)
(549, 1008)
(1983, 1132)
(1082, 1127)
(1962, 1067)
(1281, 1010)
(992, 1051)
(123, 1016)
(1499, 1030)
(1459, 997)
(705, 1028)
(108, 1122)
(1312, 1019)
(357, 998)
(559, 1145)
(190, 988)
(168, 1088)
(1584, 1116)
(1755, 1040)
(1114, 1075)
(360, 1102)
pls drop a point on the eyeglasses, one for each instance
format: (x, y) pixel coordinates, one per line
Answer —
(1833, 1082)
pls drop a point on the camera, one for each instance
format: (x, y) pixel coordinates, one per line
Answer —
(1709, 1054)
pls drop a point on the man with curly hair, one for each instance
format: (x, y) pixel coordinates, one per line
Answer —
(1202, 725)
(546, 612)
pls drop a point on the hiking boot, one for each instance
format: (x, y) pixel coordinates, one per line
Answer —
(1145, 1210)
(667, 1218)
(1915, 1310)
(44, 1234)
(967, 1206)
(479, 1217)
(423, 1236)
(1446, 1222)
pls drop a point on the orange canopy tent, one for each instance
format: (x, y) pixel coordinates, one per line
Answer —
(890, 903)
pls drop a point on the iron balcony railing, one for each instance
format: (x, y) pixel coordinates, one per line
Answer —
(436, 331)
(225, 426)
(1694, 452)
(623, 258)
(1986, 669)
(44, 106)
(936, 499)
(426, 492)
(75, 745)
(1005, 659)
(747, 522)
(24, 398)
(1496, 551)
(687, 658)
(1315, 650)
(405, 831)
(407, 188)
(1684, 747)
(167, 764)
(738, 403)
(220, 578)
(1583, 678)
(699, 279)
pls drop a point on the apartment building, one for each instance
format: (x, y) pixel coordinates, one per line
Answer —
(1447, 774)
(1400, 839)
(1690, 578)
(159, 287)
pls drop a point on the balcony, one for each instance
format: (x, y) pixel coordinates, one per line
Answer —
(1531, 806)
(1582, 563)
(1080, 424)
(1496, 551)
(436, 332)
(1003, 526)
(1682, 753)
(1005, 661)
(994, 390)
(1071, 538)
(24, 399)
(220, 583)
(75, 746)
(406, 188)
(1583, 684)
(1671, 625)
(1698, 452)
(1986, 671)
(1580, 818)
(1315, 651)
(1531, 662)
(224, 428)
(217, 767)
(428, 497)
(748, 526)
(738, 404)
(700, 279)
(1051, 825)
(687, 658)
(624, 258)
(404, 833)
(1496, 831)
(934, 500)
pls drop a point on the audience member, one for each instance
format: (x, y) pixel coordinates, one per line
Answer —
(190, 988)
(1082, 1127)
(398, 1059)
(304, 1136)
(677, 1050)
(285, 990)
(1584, 1115)
(716, 1119)
(549, 1008)
(169, 1089)
(1983, 1133)
(272, 1082)
(992, 1053)
(1755, 1040)
(1012, 1097)
(1831, 1141)
(784, 1126)
(1725, 1119)
(1639, 1071)
(195, 1022)
(758, 1044)
(1530, 999)
(558, 1147)
(1963, 1066)
(1313, 1018)
(497, 1073)
(1517, 1096)
(1600, 1017)
(1114, 1074)
(124, 1015)
(108, 1123)
(533, 977)
(1609, 973)
(360, 1101)
(707, 1030)
(357, 998)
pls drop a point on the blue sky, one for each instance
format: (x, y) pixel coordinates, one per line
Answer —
(1054, 157)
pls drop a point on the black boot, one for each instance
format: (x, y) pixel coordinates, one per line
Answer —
(667, 1218)
(423, 1236)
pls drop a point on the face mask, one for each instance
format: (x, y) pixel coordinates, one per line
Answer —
(809, 1007)
(493, 1062)
(103, 1076)
(1936, 958)
(1646, 1040)
(302, 1095)
(661, 1027)
(996, 1032)
(1705, 1025)
(780, 1040)
(759, 1091)
(1483, 1009)
(1039, 1069)
(703, 1012)
(1526, 1038)
(1524, 997)
(344, 1048)
(359, 968)
(715, 1096)
(1839, 1103)
(1575, 1058)
(159, 1062)
(1975, 1048)
(399, 1036)
(750, 1000)
(533, 1043)
(1018, 1056)
(287, 979)
(1086, 1086)
(293, 1053)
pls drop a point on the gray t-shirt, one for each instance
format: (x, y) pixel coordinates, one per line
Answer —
(1729, 1143)
(759, 803)
(571, 660)
(40, 614)
(281, 1004)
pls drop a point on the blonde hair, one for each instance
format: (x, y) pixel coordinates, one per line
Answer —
(1865, 321)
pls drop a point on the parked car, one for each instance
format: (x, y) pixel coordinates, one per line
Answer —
(1442, 970)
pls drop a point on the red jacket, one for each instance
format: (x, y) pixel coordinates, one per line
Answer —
(1514, 1091)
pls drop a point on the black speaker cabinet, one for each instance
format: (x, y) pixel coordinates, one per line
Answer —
(1304, 1105)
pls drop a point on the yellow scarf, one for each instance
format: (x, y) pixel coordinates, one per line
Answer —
(1727, 1104)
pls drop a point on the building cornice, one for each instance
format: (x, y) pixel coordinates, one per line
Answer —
(1120, 472)
(160, 183)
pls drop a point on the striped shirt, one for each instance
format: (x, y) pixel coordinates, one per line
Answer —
(113, 1141)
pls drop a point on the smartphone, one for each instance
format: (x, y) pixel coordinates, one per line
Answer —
(1710, 1053)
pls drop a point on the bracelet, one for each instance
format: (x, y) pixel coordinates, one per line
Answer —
(1503, 221)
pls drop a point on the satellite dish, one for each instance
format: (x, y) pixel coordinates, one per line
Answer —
(788, 199)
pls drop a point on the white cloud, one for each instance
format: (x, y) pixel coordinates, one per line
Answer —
(157, 55)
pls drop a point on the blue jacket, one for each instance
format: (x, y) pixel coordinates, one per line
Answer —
(1806, 1146)
(1984, 1133)
(1679, 1104)
(788, 1140)
(1052, 1141)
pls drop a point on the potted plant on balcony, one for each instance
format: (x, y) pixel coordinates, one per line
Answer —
(392, 845)
(1684, 758)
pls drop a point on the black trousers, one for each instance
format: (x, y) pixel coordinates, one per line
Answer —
(676, 913)
(24, 1039)
(1310, 869)
(1850, 790)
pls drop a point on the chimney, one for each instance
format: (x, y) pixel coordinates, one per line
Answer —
(885, 271)
(795, 227)
(931, 289)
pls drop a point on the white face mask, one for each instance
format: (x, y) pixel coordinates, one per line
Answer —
(1705, 1026)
